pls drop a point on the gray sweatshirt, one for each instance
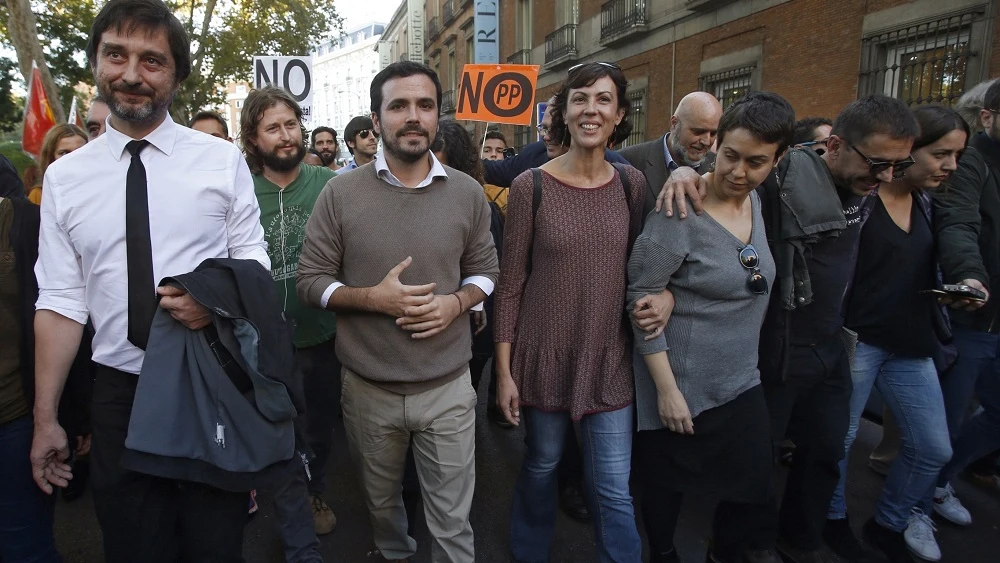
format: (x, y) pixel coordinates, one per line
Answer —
(715, 326)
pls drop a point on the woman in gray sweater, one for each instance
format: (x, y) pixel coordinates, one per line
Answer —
(703, 422)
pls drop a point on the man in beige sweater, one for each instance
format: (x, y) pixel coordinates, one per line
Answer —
(400, 248)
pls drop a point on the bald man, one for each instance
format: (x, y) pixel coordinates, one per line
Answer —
(97, 115)
(692, 133)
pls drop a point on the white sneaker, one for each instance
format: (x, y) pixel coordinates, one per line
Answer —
(919, 536)
(947, 506)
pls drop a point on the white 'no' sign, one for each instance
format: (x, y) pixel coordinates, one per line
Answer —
(291, 73)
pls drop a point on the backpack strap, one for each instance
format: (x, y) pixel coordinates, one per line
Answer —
(536, 197)
(626, 185)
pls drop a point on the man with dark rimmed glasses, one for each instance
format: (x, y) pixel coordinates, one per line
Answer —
(804, 365)
(362, 141)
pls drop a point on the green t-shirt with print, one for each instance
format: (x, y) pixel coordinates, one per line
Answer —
(283, 214)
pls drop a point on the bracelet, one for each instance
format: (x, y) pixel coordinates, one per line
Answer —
(461, 307)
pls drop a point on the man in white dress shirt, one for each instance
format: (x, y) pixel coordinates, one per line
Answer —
(195, 201)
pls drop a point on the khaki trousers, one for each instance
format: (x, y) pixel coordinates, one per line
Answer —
(440, 423)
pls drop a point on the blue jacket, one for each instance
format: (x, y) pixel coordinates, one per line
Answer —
(502, 172)
(216, 405)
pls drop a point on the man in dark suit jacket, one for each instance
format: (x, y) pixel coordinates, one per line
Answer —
(692, 134)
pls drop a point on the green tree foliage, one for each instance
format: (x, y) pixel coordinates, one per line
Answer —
(225, 36)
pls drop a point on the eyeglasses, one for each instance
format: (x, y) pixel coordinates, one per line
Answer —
(756, 282)
(875, 167)
(575, 68)
(820, 150)
(365, 132)
(542, 130)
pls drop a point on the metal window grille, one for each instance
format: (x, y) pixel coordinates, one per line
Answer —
(522, 136)
(730, 85)
(922, 63)
(637, 116)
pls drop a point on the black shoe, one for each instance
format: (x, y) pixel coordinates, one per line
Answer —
(496, 416)
(571, 502)
(761, 556)
(790, 554)
(889, 543)
(840, 538)
(668, 557)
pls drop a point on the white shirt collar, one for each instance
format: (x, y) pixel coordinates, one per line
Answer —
(163, 138)
(382, 171)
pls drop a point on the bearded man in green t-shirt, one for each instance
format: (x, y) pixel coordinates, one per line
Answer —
(272, 137)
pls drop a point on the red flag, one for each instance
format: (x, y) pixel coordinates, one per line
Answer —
(38, 116)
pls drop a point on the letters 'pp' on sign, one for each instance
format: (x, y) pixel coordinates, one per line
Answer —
(497, 93)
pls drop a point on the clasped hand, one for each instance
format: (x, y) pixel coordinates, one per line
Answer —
(416, 307)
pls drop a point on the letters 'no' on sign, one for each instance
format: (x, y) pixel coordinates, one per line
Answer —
(497, 93)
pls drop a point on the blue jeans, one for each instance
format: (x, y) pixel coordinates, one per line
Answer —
(977, 371)
(293, 512)
(911, 391)
(26, 513)
(607, 450)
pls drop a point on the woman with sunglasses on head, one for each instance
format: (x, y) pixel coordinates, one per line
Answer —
(899, 326)
(562, 349)
(59, 141)
(703, 420)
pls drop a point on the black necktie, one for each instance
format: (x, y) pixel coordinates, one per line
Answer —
(138, 250)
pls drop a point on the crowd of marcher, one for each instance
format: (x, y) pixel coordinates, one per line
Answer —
(257, 289)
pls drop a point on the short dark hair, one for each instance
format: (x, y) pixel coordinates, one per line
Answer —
(581, 77)
(257, 102)
(875, 114)
(494, 134)
(805, 129)
(992, 98)
(936, 121)
(203, 115)
(323, 129)
(400, 69)
(459, 148)
(355, 126)
(130, 16)
(766, 115)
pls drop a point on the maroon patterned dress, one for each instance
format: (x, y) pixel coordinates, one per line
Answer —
(560, 299)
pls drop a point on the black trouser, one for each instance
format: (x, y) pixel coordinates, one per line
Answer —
(321, 382)
(814, 400)
(734, 525)
(150, 519)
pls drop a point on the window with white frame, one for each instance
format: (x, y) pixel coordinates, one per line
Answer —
(933, 61)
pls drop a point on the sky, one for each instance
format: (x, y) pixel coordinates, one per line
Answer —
(360, 12)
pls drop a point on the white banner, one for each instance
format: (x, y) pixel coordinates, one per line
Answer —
(294, 74)
(487, 38)
(415, 30)
(384, 54)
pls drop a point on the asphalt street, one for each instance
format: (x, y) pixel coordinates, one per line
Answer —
(498, 458)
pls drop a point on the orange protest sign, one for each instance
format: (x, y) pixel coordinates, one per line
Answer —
(497, 93)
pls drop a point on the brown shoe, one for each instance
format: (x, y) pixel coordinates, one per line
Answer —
(323, 517)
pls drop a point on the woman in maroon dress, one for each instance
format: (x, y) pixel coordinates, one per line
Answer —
(563, 352)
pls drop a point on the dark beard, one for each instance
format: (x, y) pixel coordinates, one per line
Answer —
(148, 112)
(395, 147)
(283, 163)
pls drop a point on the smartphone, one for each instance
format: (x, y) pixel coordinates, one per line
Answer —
(960, 291)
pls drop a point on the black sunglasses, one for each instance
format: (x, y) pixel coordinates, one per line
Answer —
(820, 151)
(756, 282)
(364, 133)
(574, 68)
(875, 167)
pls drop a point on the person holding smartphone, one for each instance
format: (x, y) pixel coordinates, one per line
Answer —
(892, 310)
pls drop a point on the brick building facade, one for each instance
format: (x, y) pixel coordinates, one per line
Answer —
(819, 54)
